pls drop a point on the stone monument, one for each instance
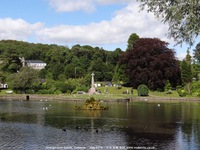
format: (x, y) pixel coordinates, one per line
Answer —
(92, 90)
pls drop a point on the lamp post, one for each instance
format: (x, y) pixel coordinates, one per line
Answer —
(75, 72)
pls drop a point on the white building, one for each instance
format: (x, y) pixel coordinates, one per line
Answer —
(35, 64)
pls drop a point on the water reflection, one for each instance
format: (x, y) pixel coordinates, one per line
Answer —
(36, 125)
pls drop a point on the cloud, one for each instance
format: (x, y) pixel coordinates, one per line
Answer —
(106, 33)
(108, 2)
(182, 55)
(72, 5)
(17, 28)
(115, 31)
(82, 5)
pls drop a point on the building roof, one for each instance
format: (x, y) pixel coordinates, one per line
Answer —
(34, 61)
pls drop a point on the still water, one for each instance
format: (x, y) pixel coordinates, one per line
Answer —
(35, 125)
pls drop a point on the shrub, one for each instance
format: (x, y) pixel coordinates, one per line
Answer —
(168, 86)
(44, 91)
(81, 88)
(143, 90)
(181, 92)
(91, 100)
(195, 88)
(57, 92)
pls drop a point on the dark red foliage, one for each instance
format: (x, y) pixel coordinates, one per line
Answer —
(150, 62)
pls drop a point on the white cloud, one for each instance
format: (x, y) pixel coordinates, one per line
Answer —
(17, 29)
(82, 5)
(116, 31)
(182, 55)
(105, 33)
(107, 2)
(72, 5)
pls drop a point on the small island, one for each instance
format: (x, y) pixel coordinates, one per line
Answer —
(91, 104)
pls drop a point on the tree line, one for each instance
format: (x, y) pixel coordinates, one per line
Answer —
(63, 65)
(146, 61)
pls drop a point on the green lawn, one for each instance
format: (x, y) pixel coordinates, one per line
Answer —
(114, 90)
(163, 94)
(112, 93)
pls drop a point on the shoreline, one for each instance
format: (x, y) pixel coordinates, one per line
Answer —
(31, 97)
(167, 99)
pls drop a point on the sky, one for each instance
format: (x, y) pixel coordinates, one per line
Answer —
(99, 23)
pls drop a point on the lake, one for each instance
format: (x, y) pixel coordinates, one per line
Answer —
(35, 125)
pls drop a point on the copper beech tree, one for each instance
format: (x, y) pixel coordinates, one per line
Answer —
(152, 63)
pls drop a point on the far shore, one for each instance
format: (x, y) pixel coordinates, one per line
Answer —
(78, 97)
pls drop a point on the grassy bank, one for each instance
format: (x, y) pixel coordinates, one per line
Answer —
(107, 93)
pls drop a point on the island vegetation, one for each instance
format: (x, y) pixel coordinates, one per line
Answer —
(146, 61)
(91, 104)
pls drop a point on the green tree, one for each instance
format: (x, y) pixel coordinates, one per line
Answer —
(195, 88)
(10, 61)
(116, 55)
(120, 69)
(196, 71)
(186, 74)
(143, 90)
(87, 80)
(64, 87)
(101, 70)
(132, 40)
(120, 74)
(3, 77)
(188, 57)
(48, 87)
(62, 63)
(183, 17)
(197, 52)
(70, 70)
(26, 79)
